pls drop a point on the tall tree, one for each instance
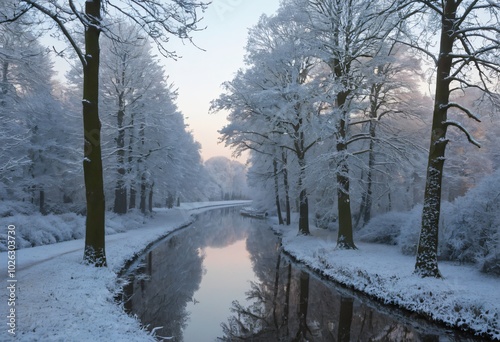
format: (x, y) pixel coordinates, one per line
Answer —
(466, 57)
(392, 97)
(31, 115)
(159, 20)
(274, 102)
(348, 33)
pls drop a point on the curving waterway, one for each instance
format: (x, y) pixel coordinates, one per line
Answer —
(225, 279)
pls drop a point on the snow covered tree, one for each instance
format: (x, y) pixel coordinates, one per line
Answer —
(34, 119)
(230, 177)
(347, 35)
(273, 104)
(391, 100)
(466, 57)
(158, 20)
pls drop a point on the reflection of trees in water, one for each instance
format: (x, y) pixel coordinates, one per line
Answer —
(223, 227)
(287, 304)
(164, 285)
(171, 273)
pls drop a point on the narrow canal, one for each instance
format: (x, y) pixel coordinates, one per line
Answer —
(224, 279)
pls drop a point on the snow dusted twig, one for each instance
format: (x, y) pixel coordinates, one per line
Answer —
(60, 23)
(464, 130)
(462, 108)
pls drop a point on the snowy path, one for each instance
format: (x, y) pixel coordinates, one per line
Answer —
(59, 299)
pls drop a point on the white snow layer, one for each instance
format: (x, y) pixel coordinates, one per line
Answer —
(60, 299)
(464, 297)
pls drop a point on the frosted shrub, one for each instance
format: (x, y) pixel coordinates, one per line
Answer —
(11, 208)
(384, 228)
(471, 226)
(36, 229)
(410, 231)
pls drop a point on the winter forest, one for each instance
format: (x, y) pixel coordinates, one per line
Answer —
(378, 119)
(149, 155)
(337, 104)
(374, 120)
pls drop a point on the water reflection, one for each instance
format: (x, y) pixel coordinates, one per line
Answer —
(264, 298)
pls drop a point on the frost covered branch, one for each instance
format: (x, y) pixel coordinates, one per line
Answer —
(464, 130)
(462, 108)
(60, 23)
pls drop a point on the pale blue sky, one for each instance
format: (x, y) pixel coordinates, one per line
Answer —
(199, 74)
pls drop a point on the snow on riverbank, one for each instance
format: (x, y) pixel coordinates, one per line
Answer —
(57, 298)
(464, 298)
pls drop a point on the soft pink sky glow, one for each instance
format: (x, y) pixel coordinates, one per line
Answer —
(199, 74)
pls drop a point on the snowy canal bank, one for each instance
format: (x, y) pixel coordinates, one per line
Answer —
(59, 299)
(464, 298)
(234, 284)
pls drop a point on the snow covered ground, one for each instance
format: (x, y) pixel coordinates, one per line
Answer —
(464, 297)
(59, 299)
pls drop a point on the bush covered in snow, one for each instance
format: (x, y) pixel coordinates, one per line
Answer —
(469, 227)
(472, 226)
(384, 228)
(10, 208)
(37, 229)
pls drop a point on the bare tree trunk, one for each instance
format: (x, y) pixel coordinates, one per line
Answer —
(427, 252)
(133, 196)
(345, 236)
(120, 206)
(345, 319)
(276, 191)
(303, 307)
(4, 86)
(142, 203)
(303, 202)
(94, 252)
(133, 192)
(42, 202)
(371, 164)
(150, 199)
(286, 185)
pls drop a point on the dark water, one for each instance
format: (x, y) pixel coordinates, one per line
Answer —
(224, 278)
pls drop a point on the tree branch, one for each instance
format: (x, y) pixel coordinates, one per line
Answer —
(464, 130)
(59, 23)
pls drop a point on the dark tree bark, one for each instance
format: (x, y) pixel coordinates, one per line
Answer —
(345, 319)
(42, 202)
(303, 202)
(303, 331)
(142, 203)
(276, 191)
(427, 252)
(94, 252)
(120, 205)
(133, 192)
(345, 238)
(286, 185)
(367, 209)
(133, 196)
